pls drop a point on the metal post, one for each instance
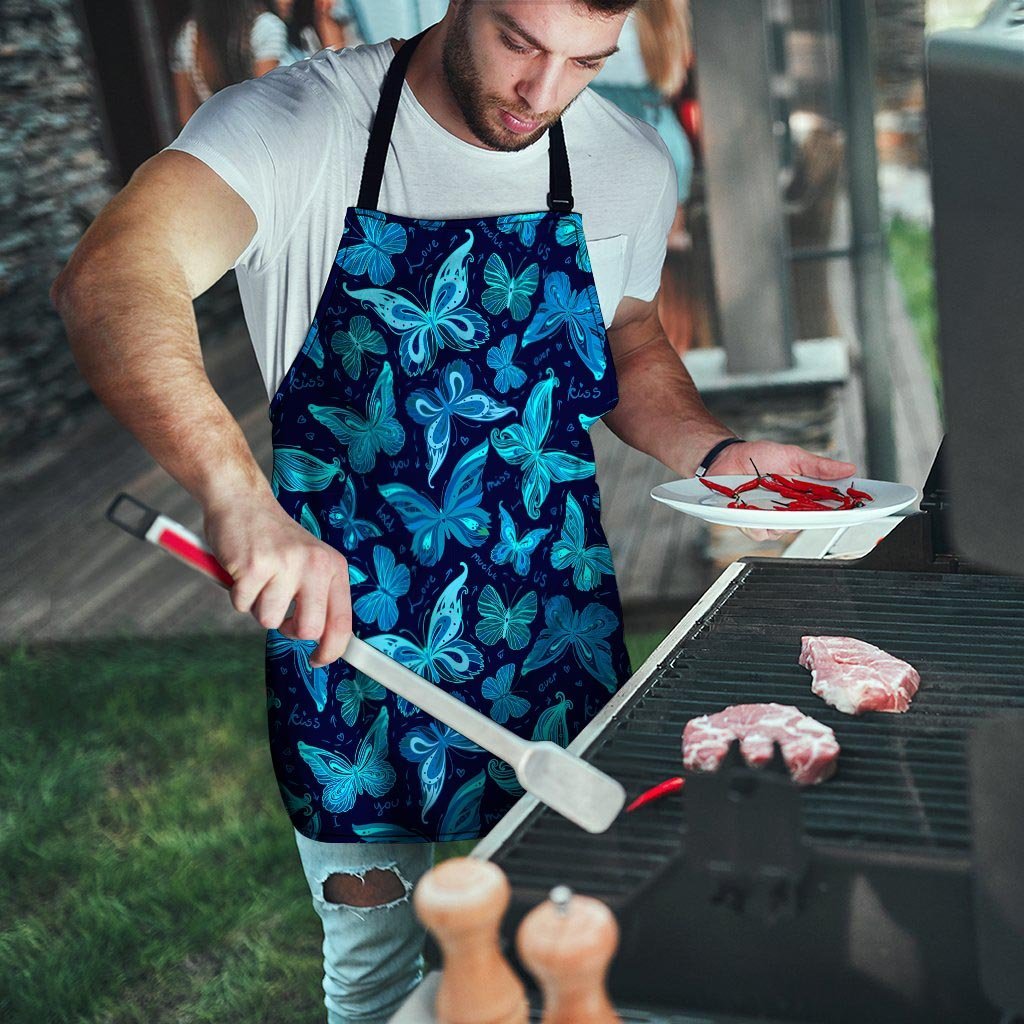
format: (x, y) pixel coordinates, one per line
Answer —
(868, 239)
(748, 233)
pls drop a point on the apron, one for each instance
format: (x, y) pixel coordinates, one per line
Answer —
(434, 428)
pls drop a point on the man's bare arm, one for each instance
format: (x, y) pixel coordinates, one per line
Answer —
(660, 411)
(126, 301)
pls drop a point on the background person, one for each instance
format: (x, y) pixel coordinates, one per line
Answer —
(221, 43)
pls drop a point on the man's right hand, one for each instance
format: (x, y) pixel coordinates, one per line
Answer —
(274, 561)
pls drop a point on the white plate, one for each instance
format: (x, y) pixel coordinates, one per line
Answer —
(693, 498)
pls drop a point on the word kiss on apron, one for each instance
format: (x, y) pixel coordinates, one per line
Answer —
(434, 429)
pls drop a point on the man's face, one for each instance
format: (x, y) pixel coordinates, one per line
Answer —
(513, 66)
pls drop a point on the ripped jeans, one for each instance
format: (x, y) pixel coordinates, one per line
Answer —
(372, 954)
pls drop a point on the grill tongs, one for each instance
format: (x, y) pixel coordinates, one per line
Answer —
(562, 781)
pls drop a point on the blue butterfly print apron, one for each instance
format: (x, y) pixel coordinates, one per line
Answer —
(434, 429)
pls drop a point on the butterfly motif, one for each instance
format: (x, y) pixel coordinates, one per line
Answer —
(315, 347)
(381, 604)
(552, 724)
(498, 689)
(343, 780)
(505, 776)
(295, 806)
(428, 746)
(575, 311)
(443, 655)
(570, 232)
(315, 679)
(385, 832)
(506, 374)
(499, 621)
(462, 819)
(512, 548)
(366, 436)
(522, 224)
(447, 323)
(295, 470)
(522, 444)
(343, 517)
(352, 693)
(570, 550)
(585, 632)
(459, 515)
(506, 290)
(454, 397)
(359, 341)
(372, 255)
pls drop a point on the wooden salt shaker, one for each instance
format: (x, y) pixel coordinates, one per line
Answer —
(462, 901)
(567, 943)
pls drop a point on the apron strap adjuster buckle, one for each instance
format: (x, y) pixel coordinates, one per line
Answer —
(560, 204)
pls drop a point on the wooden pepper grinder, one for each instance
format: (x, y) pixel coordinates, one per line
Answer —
(567, 942)
(462, 901)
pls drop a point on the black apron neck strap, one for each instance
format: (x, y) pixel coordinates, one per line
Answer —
(383, 123)
(559, 197)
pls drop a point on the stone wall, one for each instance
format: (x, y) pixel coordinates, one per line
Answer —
(54, 178)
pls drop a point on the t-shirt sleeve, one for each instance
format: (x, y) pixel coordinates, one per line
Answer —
(651, 241)
(269, 139)
(269, 38)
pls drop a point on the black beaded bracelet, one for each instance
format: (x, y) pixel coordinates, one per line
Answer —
(705, 463)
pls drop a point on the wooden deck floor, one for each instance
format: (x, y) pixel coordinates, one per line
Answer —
(69, 574)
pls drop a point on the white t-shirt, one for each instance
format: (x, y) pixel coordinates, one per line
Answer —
(292, 144)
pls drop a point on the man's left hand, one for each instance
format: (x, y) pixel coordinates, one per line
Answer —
(771, 457)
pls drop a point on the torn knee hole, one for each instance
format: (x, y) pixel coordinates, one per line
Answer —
(373, 889)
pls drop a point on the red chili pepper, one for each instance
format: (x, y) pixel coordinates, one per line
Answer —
(808, 505)
(807, 487)
(657, 792)
(720, 488)
(862, 495)
(750, 485)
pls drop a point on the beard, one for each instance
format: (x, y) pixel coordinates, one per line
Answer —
(477, 107)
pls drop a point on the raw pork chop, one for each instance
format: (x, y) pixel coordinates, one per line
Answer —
(855, 677)
(809, 748)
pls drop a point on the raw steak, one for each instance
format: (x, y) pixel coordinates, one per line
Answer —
(809, 748)
(855, 677)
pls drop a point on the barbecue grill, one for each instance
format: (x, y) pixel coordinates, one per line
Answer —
(747, 896)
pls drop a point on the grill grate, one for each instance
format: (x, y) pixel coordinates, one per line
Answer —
(902, 779)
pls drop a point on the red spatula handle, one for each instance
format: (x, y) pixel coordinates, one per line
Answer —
(147, 524)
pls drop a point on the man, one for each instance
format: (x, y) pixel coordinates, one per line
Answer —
(432, 379)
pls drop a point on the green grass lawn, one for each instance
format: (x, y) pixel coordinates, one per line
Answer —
(910, 248)
(147, 867)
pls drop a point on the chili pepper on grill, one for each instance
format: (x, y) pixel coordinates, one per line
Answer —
(657, 792)
(720, 488)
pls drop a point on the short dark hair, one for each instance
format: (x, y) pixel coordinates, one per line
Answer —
(609, 6)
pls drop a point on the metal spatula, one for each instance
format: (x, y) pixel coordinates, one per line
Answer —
(562, 781)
